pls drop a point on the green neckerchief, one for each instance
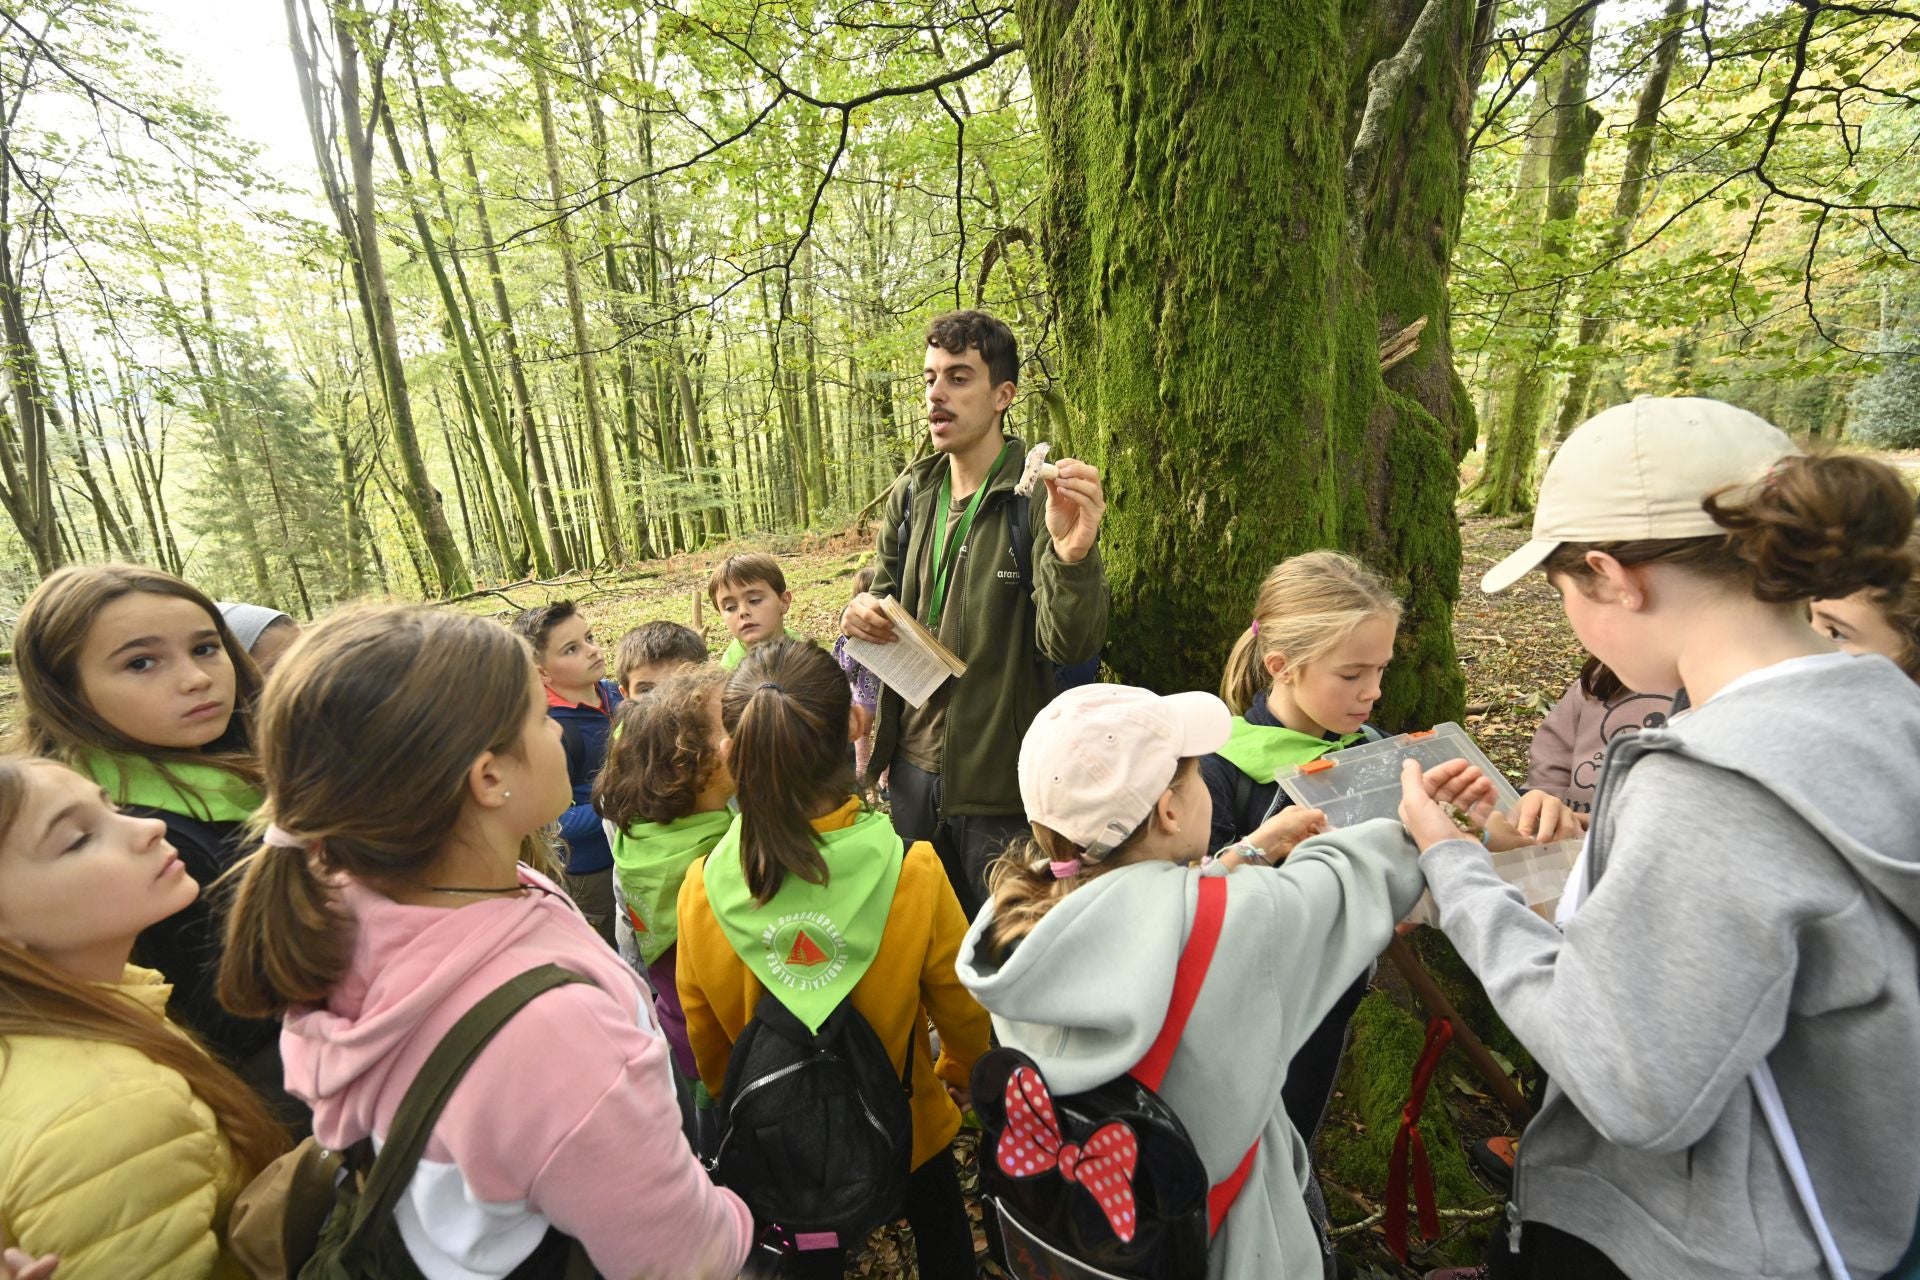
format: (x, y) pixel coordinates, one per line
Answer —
(651, 860)
(944, 548)
(1260, 751)
(201, 791)
(737, 653)
(811, 944)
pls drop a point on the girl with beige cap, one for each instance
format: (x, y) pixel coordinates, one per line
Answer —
(1731, 1018)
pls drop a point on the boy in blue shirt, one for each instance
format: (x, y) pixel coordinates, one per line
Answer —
(573, 668)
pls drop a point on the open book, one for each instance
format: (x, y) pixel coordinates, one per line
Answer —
(914, 665)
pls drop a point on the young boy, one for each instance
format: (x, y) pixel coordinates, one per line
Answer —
(751, 594)
(653, 651)
(572, 668)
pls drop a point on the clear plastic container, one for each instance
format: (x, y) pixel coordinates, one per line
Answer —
(1364, 782)
(1539, 871)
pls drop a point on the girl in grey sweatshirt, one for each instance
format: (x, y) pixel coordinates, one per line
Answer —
(1752, 878)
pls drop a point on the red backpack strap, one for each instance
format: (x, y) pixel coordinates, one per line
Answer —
(1195, 957)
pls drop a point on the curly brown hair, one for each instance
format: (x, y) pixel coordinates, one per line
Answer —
(662, 752)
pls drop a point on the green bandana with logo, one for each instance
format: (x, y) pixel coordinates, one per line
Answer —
(811, 944)
(195, 790)
(1260, 751)
(651, 860)
(736, 653)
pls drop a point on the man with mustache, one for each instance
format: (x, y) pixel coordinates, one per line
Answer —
(1013, 592)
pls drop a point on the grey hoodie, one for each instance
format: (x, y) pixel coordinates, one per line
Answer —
(1754, 877)
(1086, 992)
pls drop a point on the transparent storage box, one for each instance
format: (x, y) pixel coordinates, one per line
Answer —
(1539, 871)
(1364, 782)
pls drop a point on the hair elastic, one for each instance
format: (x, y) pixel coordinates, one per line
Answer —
(278, 837)
(1255, 626)
(1064, 868)
(769, 684)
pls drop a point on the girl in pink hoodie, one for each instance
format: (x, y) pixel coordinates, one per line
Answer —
(393, 893)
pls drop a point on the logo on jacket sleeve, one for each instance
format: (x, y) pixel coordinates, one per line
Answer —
(805, 950)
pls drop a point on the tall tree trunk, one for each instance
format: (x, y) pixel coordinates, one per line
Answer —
(111, 529)
(1626, 211)
(479, 398)
(419, 494)
(1219, 324)
(1513, 446)
(612, 535)
(356, 523)
(26, 463)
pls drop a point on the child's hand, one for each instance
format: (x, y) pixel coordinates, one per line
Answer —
(1075, 506)
(1426, 797)
(1541, 818)
(864, 619)
(17, 1264)
(1277, 836)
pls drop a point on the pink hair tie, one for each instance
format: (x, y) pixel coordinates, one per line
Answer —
(1064, 868)
(1255, 628)
(277, 837)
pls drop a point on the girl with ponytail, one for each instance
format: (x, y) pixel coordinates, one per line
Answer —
(391, 894)
(1077, 949)
(1737, 990)
(852, 915)
(123, 1141)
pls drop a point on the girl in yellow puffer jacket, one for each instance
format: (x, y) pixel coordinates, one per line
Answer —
(122, 1144)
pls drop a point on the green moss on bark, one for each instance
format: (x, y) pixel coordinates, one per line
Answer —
(1220, 327)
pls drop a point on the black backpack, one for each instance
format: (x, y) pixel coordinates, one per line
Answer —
(816, 1130)
(1020, 534)
(1106, 1184)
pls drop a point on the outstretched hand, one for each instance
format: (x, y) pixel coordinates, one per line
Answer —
(1425, 798)
(1277, 835)
(1075, 506)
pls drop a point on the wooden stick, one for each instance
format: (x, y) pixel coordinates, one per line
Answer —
(699, 623)
(1470, 1044)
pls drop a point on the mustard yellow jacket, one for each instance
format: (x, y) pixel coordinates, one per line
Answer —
(911, 978)
(110, 1161)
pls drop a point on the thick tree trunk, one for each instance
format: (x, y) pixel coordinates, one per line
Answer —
(1214, 304)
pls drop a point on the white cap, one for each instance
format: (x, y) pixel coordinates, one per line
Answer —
(1095, 761)
(1640, 471)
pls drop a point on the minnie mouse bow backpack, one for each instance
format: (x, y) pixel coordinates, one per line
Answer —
(1106, 1184)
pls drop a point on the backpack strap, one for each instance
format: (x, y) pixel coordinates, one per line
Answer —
(427, 1096)
(1195, 958)
(1020, 534)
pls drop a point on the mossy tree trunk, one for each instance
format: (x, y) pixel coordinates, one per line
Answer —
(1226, 254)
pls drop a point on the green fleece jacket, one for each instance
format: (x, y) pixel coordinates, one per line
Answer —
(1010, 640)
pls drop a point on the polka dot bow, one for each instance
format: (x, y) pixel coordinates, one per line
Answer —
(1031, 1144)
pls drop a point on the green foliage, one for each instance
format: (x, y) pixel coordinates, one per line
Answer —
(1886, 403)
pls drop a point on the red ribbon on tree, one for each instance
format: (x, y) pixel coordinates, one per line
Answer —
(1410, 1153)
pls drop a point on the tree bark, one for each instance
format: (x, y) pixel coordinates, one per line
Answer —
(1215, 302)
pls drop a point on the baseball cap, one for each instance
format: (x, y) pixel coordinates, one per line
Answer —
(1095, 761)
(1641, 470)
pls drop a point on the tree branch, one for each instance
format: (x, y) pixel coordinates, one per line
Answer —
(1384, 83)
